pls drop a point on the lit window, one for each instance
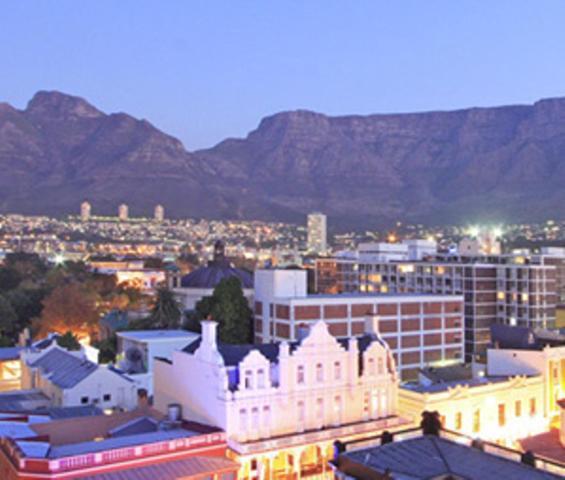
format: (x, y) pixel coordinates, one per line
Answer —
(518, 408)
(532, 406)
(500, 295)
(319, 372)
(477, 421)
(300, 375)
(337, 370)
(501, 415)
(458, 421)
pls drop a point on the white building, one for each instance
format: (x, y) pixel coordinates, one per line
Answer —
(123, 212)
(69, 379)
(159, 213)
(311, 393)
(85, 211)
(317, 233)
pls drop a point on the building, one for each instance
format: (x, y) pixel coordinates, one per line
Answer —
(447, 456)
(137, 350)
(85, 211)
(69, 379)
(122, 446)
(421, 329)
(283, 405)
(159, 213)
(513, 290)
(10, 368)
(317, 233)
(501, 409)
(131, 273)
(123, 212)
(191, 288)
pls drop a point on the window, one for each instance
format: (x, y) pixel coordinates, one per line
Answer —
(501, 415)
(371, 366)
(477, 421)
(301, 412)
(518, 408)
(107, 397)
(300, 375)
(84, 400)
(255, 418)
(458, 421)
(319, 372)
(243, 419)
(381, 367)
(320, 410)
(337, 409)
(253, 464)
(266, 416)
(366, 405)
(337, 370)
(248, 379)
(260, 378)
(532, 406)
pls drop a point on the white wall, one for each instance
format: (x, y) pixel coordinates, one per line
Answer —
(515, 362)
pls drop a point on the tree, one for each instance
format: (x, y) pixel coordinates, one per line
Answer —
(9, 279)
(228, 306)
(27, 303)
(166, 311)
(431, 423)
(8, 321)
(108, 349)
(69, 307)
(68, 341)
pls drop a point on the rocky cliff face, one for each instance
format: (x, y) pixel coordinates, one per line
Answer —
(501, 163)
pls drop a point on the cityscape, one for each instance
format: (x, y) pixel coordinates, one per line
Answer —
(330, 296)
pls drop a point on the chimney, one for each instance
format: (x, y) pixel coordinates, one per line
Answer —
(372, 324)
(302, 331)
(209, 329)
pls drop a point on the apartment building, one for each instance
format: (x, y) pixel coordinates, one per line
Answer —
(513, 290)
(420, 329)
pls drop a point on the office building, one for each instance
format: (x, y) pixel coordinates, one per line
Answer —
(85, 211)
(513, 290)
(159, 214)
(421, 329)
(317, 233)
(123, 212)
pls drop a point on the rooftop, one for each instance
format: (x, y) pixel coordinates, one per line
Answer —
(152, 335)
(63, 368)
(187, 468)
(446, 385)
(433, 457)
(10, 353)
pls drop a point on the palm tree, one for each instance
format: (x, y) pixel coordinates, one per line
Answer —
(167, 311)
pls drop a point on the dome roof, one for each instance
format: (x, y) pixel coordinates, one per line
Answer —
(216, 270)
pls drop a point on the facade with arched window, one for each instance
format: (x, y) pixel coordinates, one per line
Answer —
(314, 391)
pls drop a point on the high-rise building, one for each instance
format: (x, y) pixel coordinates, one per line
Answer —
(85, 211)
(123, 212)
(507, 289)
(159, 213)
(317, 233)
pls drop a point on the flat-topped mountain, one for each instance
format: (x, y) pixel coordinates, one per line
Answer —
(500, 163)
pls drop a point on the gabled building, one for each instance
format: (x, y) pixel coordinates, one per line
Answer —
(305, 394)
(70, 379)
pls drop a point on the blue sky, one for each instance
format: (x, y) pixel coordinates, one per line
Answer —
(207, 70)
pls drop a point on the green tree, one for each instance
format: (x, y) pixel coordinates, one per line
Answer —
(108, 349)
(229, 307)
(68, 341)
(8, 321)
(27, 304)
(166, 311)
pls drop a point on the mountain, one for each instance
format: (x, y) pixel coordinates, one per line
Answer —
(503, 163)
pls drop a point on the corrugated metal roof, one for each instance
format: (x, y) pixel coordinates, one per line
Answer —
(10, 353)
(171, 470)
(431, 457)
(64, 369)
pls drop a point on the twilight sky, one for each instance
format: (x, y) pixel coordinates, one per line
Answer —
(206, 70)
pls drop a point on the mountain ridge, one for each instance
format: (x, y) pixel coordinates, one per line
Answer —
(443, 166)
